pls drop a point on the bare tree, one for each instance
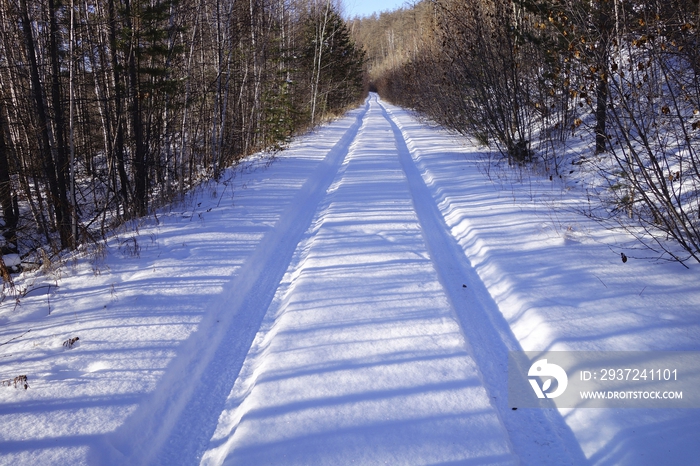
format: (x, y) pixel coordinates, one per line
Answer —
(109, 108)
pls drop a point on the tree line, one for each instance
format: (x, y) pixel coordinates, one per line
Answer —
(111, 107)
(532, 76)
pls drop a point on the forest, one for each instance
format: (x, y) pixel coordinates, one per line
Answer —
(529, 77)
(110, 108)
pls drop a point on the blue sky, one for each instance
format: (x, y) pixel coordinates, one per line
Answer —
(367, 7)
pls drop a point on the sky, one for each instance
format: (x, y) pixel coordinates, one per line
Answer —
(354, 8)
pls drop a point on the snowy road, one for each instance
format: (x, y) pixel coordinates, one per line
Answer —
(352, 303)
(365, 361)
(361, 354)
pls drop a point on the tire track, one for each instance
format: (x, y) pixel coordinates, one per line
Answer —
(484, 327)
(174, 424)
(360, 359)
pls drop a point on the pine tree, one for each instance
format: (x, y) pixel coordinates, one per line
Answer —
(337, 63)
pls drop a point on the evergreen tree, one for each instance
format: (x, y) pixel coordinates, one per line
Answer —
(337, 63)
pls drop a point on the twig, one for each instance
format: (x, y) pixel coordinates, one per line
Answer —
(38, 288)
(601, 281)
(15, 338)
(222, 193)
(20, 379)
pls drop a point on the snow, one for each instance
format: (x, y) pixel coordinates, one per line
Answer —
(352, 302)
(11, 260)
(363, 359)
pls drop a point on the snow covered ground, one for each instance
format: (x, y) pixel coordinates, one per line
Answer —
(352, 303)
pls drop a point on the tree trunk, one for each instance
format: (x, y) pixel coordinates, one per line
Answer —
(601, 113)
(318, 54)
(7, 200)
(605, 27)
(140, 153)
(74, 211)
(45, 145)
(124, 187)
(64, 224)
